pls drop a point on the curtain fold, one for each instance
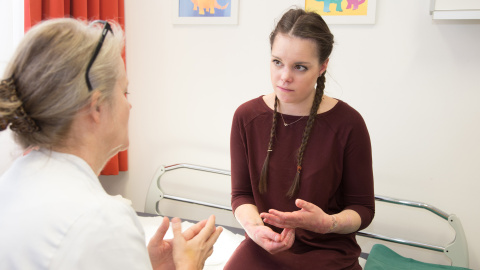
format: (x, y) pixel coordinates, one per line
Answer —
(38, 10)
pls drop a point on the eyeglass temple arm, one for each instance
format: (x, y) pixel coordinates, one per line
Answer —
(97, 50)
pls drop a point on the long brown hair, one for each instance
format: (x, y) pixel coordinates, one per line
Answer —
(311, 26)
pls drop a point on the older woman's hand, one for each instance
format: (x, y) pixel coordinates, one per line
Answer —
(195, 245)
(310, 217)
(270, 240)
(160, 250)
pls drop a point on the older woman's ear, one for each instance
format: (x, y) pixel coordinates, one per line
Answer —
(95, 108)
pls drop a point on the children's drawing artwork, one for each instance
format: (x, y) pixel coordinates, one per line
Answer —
(205, 11)
(326, 5)
(205, 8)
(344, 11)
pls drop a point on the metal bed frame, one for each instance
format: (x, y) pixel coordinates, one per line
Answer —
(457, 250)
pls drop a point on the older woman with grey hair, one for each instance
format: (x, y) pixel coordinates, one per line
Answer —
(64, 95)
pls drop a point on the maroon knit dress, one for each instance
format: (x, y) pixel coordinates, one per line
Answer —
(336, 175)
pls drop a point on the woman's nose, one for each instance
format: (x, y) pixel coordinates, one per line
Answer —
(286, 75)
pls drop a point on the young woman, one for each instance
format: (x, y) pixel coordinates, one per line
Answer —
(302, 180)
(64, 95)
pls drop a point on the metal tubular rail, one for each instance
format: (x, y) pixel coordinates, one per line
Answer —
(401, 241)
(425, 206)
(180, 199)
(196, 167)
(430, 208)
(457, 251)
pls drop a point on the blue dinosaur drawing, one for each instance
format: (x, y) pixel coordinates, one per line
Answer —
(326, 5)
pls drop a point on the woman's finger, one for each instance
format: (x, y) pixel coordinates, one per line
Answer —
(281, 218)
(310, 207)
(214, 236)
(276, 213)
(275, 247)
(177, 228)
(270, 216)
(290, 220)
(161, 231)
(210, 252)
(272, 222)
(289, 237)
(194, 230)
(270, 235)
(209, 228)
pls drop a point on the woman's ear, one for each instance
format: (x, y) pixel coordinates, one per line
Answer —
(324, 67)
(95, 108)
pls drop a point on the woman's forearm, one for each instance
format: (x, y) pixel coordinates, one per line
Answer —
(247, 215)
(345, 222)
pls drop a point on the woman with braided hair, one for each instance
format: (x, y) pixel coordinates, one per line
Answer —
(302, 180)
(65, 96)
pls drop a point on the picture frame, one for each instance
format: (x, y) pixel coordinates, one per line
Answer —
(346, 13)
(201, 12)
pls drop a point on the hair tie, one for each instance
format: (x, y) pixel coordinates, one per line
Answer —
(299, 168)
(19, 120)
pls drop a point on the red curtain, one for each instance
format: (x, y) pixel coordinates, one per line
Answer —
(38, 10)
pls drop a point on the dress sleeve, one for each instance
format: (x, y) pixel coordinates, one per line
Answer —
(357, 180)
(240, 174)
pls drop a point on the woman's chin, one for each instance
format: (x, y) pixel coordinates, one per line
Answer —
(118, 148)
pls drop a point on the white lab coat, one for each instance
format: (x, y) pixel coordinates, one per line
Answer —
(54, 214)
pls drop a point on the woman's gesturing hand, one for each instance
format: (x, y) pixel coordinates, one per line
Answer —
(195, 245)
(160, 250)
(270, 240)
(310, 217)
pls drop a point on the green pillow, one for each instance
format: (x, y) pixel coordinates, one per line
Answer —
(381, 257)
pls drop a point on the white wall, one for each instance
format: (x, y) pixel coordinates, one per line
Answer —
(413, 79)
(11, 32)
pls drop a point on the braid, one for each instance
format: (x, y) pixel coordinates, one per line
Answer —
(299, 23)
(262, 185)
(306, 134)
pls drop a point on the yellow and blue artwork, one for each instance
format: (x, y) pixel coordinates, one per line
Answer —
(205, 8)
(338, 7)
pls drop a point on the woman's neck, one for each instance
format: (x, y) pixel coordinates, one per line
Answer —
(297, 109)
(86, 143)
(302, 109)
(93, 158)
(293, 109)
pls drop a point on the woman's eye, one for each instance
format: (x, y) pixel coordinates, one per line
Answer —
(300, 68)
(276, 62)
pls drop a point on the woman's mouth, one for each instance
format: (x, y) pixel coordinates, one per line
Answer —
(284, 89)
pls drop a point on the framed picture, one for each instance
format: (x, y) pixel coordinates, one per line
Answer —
(342, 11)
(205, 11)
